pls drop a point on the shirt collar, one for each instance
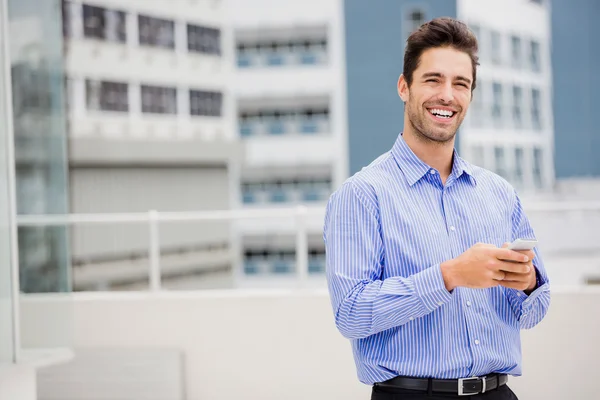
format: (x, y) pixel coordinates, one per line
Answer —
(414, 168)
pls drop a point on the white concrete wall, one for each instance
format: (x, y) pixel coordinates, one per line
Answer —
(284, 345)
(17, 382)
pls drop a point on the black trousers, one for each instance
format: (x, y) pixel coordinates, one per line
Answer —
(501, 393)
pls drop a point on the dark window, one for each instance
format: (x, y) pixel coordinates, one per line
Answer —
(156, 32)
(66, 18)
(204, 103)
(204, 40)
(415, 19)
(107, 96)
(534, 56)
(159, 100)
(103, 24)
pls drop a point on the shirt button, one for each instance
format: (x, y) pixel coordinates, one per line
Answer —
(411, 318)
(468, 303)
(440, 303)
(476, 341)
(519, 294)
(452, 228)
(432, 172)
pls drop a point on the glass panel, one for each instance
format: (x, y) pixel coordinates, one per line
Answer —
(204, 40)
(517, 106)
(516, 51)
(41, 164)
(6, 299)
(519, 162)
(536, 118)
(535, 56)
(500, 161)
(497, 103)
(496, 48)
(156, 32)
(537, 167)
(159, 100)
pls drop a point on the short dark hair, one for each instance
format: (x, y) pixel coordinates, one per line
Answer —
(440, 32)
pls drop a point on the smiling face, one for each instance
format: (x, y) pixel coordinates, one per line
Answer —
(439, 95)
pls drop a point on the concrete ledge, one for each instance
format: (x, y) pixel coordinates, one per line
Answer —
(127, 152)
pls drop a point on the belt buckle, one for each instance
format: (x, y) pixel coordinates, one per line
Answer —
(461, 388)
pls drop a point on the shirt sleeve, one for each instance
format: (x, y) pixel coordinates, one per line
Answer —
(529, 309)
(364, 304)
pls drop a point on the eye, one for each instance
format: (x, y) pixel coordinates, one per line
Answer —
(463, 85)
(431, 80)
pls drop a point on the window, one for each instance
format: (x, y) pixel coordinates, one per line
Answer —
(415, 19)
(496, 48)
(500, 161)
(476, 114)
(107, 96)
(497, 101)
(519, 162)
(534, 56)
(103, 24)
(316, 261)
(204, 40)
(156, 32)
(516, 51)
(269, 260)
(536, 118)
(517, 106)
(537, 167)
(66, 18)
(205, 103)
(478, 156)
(287, 189)
(159, 100)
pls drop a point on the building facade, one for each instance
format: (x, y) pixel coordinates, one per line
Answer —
(291, 116)
(509, 127)
(150, 120)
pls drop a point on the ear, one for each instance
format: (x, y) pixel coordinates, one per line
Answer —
(403, 90)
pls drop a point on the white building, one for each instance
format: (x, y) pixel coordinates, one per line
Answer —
(150, 121)
(291, 115)
(510, 128)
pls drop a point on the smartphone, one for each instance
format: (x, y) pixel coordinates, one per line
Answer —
(523, 244)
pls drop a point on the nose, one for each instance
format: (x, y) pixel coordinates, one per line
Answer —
(446, 92)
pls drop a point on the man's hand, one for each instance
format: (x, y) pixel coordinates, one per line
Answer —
(525, 282)
(485, 265)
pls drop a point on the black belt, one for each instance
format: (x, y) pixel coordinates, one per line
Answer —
(461, 387)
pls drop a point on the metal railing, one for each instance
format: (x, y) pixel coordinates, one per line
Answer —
(153, 219)
(300, 214)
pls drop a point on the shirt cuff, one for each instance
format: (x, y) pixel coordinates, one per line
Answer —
(430, 288)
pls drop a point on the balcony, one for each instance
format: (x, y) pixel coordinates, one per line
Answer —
(251, 58)
(277, 333)
(290, 124)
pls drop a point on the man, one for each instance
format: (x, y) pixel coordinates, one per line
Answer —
(419, 274)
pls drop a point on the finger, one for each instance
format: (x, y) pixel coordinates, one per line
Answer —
(514, 267)
(514, 277)
(514, 285)
(510, 255)
(498, 275)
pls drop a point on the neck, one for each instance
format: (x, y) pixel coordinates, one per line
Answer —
(435, 154)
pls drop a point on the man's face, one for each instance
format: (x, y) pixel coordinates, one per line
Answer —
(440, 93)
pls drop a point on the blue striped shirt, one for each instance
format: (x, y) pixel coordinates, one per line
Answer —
(387, 230)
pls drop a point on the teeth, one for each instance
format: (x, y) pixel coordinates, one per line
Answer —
(441, 113)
